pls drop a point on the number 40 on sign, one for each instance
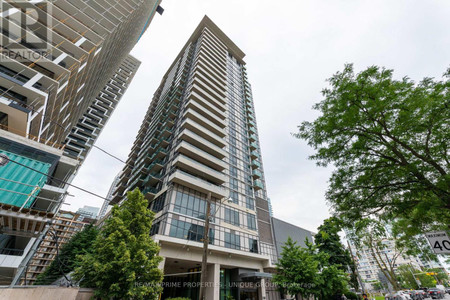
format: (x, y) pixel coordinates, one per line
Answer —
(439, 241)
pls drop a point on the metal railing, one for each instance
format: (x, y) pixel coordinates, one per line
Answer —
(11, 251)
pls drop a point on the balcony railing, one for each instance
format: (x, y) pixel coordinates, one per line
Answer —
(203, 152)
(218, 173)
(10, 251)
(257, 185)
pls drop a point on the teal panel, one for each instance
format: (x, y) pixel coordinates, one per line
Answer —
(20, 185)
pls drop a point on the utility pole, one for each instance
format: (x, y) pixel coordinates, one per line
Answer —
(205, 249)
(414, 276)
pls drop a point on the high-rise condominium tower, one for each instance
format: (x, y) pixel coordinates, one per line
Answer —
(88, 128)
(199, 136)
(55, 58)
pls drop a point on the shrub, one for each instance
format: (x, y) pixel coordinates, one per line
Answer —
(352, 296)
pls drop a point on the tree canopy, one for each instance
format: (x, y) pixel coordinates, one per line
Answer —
(307, 272)
(327, 241)
(124, 262)
(389, 143)
(297, 270)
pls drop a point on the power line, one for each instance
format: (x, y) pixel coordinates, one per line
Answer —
(59, 180)
(115, 157)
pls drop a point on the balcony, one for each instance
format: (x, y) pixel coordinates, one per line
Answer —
(252, 137)
(201, 156)
(196, 168)
(208, 71)
(191, 114)
(212, 69)
(193, 96)
(257, 185)
(255, 164)
(198, 184)
(150, 192)
(152, 179)
(254, 155)
(256, 174)
(203, 132)
(209, 94)
(211, 85)
(155, 166)
(253, 146)
(196, 140)
(206, 113)
(136, 182)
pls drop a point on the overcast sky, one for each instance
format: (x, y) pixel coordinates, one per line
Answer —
(291, 48)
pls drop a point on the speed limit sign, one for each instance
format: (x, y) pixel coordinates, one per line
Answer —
(439, 241)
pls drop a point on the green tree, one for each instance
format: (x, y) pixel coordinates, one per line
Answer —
(297, 271)
(427, 280)
(327, 240)
(307, 271)
(388, 140)
(440, 275)
(124, 263)
(406, 277)
(332, 280)
(378, 286)
(81, 243)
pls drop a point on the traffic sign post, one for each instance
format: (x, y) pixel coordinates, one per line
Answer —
(439, 241)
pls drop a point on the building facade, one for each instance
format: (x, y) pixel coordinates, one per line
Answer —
(56, 57)
(199, 138)
(369, 270)
(283, 230)
(88, 212)
(88, 128)
(66, 224)
(106, 207)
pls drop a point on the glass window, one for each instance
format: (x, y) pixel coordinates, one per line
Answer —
(251, 221)
(191, 205)
(155, 229)
(232, 241)
(231, 216)
(158, 203)
(188, 231)
(234, 197)
(233, 184)
(250, 203)
(253, 245)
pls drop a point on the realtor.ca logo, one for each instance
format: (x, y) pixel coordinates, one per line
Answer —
(25, 30)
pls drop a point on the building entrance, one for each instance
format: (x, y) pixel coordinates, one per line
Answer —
(249, 294)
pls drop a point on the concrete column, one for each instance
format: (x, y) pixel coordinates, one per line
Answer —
(213, 282)
(262, 289)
